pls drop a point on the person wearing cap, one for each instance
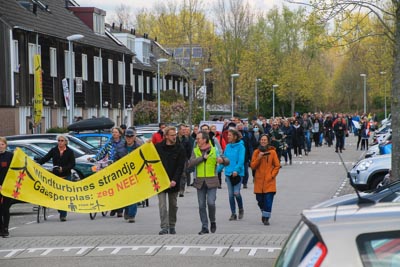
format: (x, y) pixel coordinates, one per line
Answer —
(110, 151)
(130, 145)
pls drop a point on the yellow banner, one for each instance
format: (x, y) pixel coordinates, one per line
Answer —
(135, 177)
(38, 97)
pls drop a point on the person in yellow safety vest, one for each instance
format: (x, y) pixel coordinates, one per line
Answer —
(204, 158)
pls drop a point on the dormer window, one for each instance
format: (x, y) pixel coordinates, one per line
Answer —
(98, 23)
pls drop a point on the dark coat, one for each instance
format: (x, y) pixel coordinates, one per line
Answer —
(173, 158)
(298, 136)
(5, 161)
(66, 161)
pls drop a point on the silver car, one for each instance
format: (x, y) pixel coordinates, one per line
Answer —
(353, 235)
(369, 172)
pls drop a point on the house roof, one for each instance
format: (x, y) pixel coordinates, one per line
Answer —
(57, 21)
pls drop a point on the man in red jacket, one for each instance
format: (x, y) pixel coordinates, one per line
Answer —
(159, 135)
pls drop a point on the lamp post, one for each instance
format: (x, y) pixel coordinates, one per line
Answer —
(160, 60)
(235, 75)
(273, 99)
(365, 91)
(256, 95)
(384, 84)
(205, 91)
(70, 39)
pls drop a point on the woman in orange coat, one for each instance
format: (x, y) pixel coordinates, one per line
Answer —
(266, 165)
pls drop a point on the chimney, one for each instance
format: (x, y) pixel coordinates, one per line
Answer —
(120, 27)
(131, 31)
(113, 25)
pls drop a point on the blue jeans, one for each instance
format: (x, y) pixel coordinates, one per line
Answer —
(63, 213)
(132, 210)
(264, 201)
(206, 195)
(246, 173)
(308, 141)
(234, 193)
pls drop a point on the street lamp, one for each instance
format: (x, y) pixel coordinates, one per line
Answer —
(205, 91)
(256, 94)
(160, 60)
(273, 99)
(384, 84)
(235, 75)
(70, 39)
(365, 91)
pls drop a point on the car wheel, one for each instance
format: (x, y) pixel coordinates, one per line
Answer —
(376, 180)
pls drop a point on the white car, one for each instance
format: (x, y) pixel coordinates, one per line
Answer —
(352, 235)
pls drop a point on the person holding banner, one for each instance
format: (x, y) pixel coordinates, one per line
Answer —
(5, 202)
(63, 162)
(131, 144)
(173, 158)
(109, 151)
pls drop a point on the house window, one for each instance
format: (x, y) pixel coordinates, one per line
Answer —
(84, 67)
(98, 24)
(121, 73)
(97, 64)
(53, 62)
(15, 56)
(67, 64)
(110, 71)
(197, 52)
(132, 77)
(146, 53)
(32, 52)
(148, 85)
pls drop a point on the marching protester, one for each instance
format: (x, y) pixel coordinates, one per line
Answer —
(131, 144)
(266, 165)
(185, 142)
(235, 152)
(109, 151)
(159, 135)
(339, 127)
(204, 158)
(5, 202)
(173, 157)
(298, 139)
(63, 162)
(287, 130)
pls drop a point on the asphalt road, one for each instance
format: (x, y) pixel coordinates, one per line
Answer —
(109, 240)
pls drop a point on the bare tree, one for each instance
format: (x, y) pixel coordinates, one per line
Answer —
(388, 14)
(124, 16)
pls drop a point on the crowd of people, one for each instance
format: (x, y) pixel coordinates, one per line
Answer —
(197, 157)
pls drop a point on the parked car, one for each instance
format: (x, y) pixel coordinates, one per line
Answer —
(388, 193)
(380, 149)
(72, 141)
(352, 235)
(81, 170)
(369, 172)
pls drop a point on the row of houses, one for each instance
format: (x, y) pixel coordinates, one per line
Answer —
(113, 68)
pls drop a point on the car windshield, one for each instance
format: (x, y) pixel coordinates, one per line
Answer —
(298, 245)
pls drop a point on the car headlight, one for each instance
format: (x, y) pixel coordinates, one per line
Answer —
(364, 165)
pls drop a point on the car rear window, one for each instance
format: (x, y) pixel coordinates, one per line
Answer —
(301, 243)
(380, 249)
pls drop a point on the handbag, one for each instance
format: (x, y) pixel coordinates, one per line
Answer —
(234, 179)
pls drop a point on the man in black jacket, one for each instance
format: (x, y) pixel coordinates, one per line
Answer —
(173, 157)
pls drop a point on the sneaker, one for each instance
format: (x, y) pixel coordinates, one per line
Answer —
(233, 217)
(112, 213)
(266, 221)
(245, 186)
(119, 214)
(126, 216)
(241, 213)
(163, 231)
(63, 219)
(213, 227)
(301, 156)
(172, 231)
(181, 195)
(131, 219)
(204, 231)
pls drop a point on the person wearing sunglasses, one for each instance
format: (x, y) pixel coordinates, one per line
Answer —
(63, 162)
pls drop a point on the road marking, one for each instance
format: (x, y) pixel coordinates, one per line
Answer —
(117, 249)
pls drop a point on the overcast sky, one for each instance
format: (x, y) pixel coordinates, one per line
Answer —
(109, 5)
